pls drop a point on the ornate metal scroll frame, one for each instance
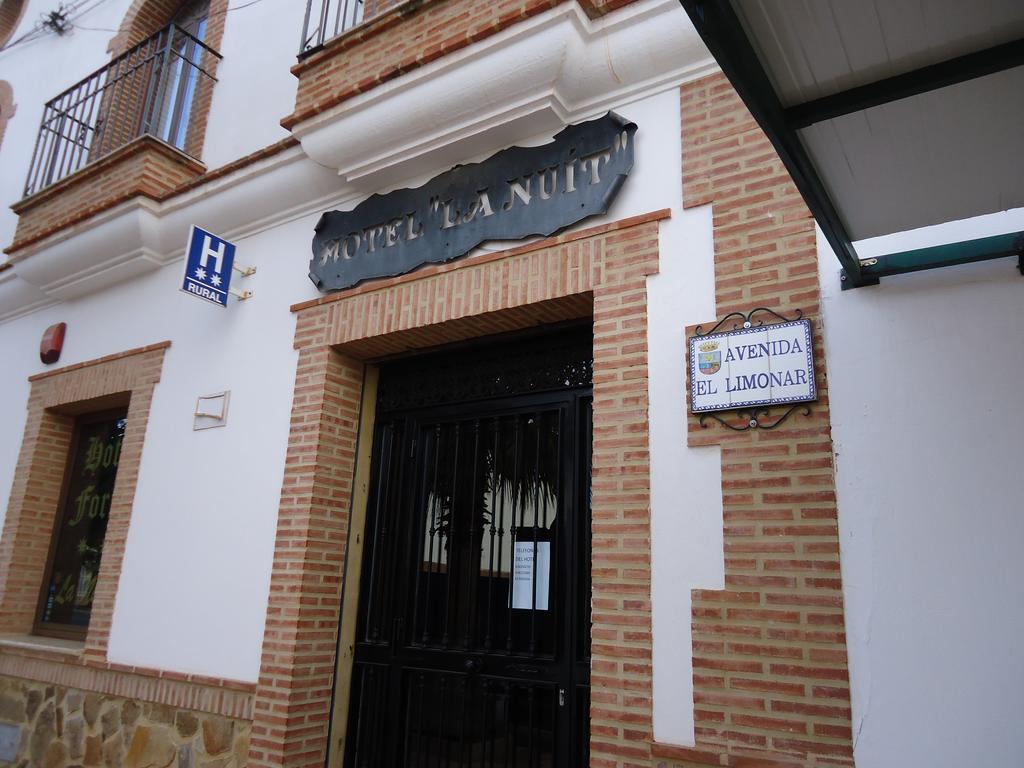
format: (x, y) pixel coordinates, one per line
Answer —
(754, 417)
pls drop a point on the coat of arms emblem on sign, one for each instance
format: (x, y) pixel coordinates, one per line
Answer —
(709, 358)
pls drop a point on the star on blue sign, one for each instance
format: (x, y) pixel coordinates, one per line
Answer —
(208, 264)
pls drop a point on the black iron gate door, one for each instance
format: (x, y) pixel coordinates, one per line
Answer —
(472, 647)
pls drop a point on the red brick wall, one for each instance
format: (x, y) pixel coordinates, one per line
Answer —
(602, 271)
(7, 107)
(10, 15)
(770, 664)
(145, 17)
(405, 36)
(621, 671)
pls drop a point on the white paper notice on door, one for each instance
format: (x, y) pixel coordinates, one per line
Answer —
(523, 571)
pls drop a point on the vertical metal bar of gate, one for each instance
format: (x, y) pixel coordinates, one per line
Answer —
(500, 511)
(517, 446)
(450, 536)
(535, 558)
(471, 549)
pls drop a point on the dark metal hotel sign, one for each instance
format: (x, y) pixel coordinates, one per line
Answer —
(519, 192)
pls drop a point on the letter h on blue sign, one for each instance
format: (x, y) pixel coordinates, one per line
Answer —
(208, 266)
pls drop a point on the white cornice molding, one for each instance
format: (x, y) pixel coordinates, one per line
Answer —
(556, 68)
(141, 235)
(19, 297)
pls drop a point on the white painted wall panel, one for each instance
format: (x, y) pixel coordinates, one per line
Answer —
(686, 499)
(255, 87)
(686, 483)
(924, 376)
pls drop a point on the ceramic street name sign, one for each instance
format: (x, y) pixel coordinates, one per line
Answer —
(761, 365)
(517, 193)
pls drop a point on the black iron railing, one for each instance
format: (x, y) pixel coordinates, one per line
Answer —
(335, 17)
(155, 88)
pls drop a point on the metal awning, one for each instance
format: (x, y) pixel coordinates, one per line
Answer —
(890, 115)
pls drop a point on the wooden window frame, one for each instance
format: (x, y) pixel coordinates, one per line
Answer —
(55, 629)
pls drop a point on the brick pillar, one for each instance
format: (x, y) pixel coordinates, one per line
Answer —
(31, 512)
(7, 107)
(621, 671)
(293, 698)
(770, 666)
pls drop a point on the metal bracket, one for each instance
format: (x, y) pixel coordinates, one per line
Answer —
(938, 256)
(845, 283)
(754, 418)
(244, 272)
(748, 320)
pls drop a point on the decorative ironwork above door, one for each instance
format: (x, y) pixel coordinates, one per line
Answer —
(562, 360)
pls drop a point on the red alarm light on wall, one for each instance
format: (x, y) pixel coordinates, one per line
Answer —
(52, 343)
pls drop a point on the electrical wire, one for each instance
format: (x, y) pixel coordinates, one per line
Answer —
(69, 13)
(240, 7)
(41, 27)
(108, 29)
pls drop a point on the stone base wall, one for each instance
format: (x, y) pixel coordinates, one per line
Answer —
(69, 728)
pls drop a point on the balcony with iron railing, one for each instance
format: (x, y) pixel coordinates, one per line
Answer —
(327, 19)
(134, 127)
(152, 89)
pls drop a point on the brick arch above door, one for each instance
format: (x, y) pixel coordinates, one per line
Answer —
(145, 17)
(11, 12)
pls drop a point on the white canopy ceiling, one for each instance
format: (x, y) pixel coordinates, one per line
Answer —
(945, 154)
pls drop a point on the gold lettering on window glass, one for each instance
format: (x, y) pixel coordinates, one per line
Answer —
(82, 523)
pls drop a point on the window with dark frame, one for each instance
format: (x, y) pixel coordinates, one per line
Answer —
(81, 524)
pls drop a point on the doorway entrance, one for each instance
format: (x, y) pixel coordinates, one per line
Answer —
(473, 633)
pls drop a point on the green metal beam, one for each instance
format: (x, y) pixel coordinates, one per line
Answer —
(951, 254)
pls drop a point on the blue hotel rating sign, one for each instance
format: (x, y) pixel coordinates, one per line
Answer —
(208, 265)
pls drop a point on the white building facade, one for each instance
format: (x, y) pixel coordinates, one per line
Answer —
(838, 590)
